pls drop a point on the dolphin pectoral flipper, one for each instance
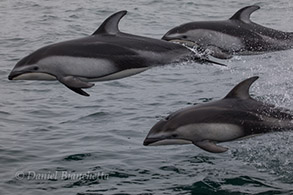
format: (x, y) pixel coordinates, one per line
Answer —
(79, 91)
(210, 146)
(204, 59)
(218, 53)
(75, 84)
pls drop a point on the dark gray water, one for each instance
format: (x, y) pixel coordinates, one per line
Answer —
(54, 141)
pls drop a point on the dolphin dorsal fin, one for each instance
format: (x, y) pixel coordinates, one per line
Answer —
(242, 89)
(110, 25)
(244, 13)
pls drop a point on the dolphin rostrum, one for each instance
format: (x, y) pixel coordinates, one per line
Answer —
(237, 35)
(235, 116)
(105, 55)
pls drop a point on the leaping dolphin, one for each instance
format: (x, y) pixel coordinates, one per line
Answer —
(235, 116)
(105, 55)
(237, 35)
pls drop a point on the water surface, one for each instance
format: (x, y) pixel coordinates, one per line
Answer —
(54, 141)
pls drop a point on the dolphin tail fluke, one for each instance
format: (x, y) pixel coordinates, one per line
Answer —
(75, 84)
(210, 146)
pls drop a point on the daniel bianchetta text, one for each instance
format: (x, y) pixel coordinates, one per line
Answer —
(61, 175)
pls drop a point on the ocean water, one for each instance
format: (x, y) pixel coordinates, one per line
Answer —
(53, 141)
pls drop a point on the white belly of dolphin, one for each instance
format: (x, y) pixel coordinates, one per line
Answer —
(77, 66)
(219, 132)
(35, 76)
(170, 142)
(87, 69)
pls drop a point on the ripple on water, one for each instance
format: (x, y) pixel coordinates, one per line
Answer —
(77, 157)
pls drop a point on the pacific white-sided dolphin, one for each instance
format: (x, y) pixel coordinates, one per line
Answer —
(105, 55)
(237, 35)
(235, 116)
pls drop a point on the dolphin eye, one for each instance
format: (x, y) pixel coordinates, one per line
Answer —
(184, 37)
(36, 68)
(174, 136)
